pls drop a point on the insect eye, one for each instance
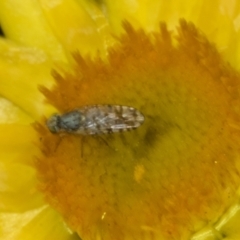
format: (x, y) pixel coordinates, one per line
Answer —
(53, 123)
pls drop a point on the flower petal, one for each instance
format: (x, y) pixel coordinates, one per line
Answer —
(143, 14)
(9, 113)
(227, 227)
(41, 223)
(18, 190)
(74, 26)
(22, 69)
(219, 20)
(25, 23)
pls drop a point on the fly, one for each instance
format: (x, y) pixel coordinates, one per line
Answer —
(96, 119)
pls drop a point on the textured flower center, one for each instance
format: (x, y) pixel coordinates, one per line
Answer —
(170, 176)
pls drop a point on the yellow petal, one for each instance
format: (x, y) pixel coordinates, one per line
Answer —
(25, 23)
(227, 227)
(18, 191)
(144, 14)
(22, 69)
(75, 28)
(219, 20)
(40, 223)
(10, 113)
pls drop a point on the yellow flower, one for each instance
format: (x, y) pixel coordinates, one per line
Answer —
(175, 177)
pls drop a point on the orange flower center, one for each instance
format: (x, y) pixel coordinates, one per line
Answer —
(167, 178)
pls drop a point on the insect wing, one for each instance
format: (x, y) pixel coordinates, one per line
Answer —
(110, 118)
